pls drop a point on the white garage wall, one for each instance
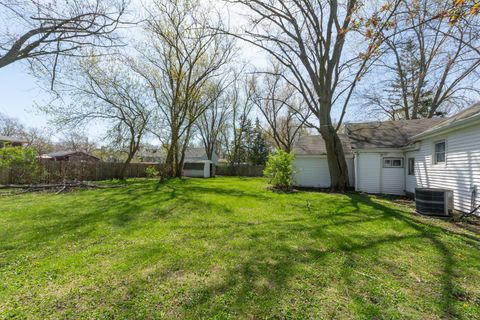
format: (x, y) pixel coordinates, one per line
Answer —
(374, 178)
(368, 172)
(312, 171)
(461, 171)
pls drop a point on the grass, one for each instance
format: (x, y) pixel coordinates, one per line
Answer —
(229, 248)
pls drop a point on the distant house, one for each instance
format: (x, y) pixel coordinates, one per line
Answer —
(11, 141)
(395, 157)
(152, 155)
(72, 156)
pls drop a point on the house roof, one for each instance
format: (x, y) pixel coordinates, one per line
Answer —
(388, 134)
(58, 154)
(12, 139)
(157, 153)
(315, 145)
(470, 113)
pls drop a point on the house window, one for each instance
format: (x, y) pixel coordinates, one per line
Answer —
(411, 166)
(393, 162)
(439, 156)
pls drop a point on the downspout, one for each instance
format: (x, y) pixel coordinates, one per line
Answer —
(355, 168)
(381, 173)
(405, 171)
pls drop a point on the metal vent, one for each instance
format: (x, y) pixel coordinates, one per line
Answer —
(435, 202)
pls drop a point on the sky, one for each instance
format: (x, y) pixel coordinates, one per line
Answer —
(18, 93)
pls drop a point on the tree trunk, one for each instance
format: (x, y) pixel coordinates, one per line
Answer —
(337, 164)
(124, 166)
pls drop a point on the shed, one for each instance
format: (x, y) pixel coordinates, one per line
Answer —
(199, 169)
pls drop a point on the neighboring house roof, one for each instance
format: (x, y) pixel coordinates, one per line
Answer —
(465, 116)
(388, 134)
(195, 154)
(60, 154)
(158, 154)
(12, 139)
(315, 145)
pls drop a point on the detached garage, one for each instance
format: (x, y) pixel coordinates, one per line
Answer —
(311, 165)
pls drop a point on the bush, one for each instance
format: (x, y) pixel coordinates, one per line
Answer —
(152, 172)
(22, 164)
(279, 170)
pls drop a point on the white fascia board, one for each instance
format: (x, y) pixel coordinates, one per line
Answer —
(379, 150)
(321, 156)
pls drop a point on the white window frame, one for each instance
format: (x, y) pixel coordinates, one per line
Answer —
(434, 153)
(391, 166)
(412, 171)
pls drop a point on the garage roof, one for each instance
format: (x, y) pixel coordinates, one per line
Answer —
(388, 134)
(315, 145)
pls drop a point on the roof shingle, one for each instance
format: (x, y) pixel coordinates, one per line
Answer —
(315, 145)
(388, 134)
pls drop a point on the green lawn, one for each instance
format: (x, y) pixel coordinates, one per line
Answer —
(230, 248)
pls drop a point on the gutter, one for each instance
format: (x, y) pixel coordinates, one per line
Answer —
(411, 147)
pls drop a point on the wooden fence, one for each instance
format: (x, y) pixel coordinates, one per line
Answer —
(243, 170)
(55, 172)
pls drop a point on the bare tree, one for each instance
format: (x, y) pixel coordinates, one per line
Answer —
(431, 65)
(39, 139)
(183, 58)
(109, 93)
(215, 119)
(11, 127)
(74, 140)
(35, 138)
(46, 31)
(282, 109)
(241, 103)
(309, 38)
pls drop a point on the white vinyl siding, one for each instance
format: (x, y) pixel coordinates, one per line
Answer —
(374, 177)
(312, 171)
(461, 170)
(368, 174)
(203, 170)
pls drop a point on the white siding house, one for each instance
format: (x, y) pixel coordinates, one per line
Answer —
(459, 172)
(375, 172)
(395, 157)
(312, 171)
(310, 165)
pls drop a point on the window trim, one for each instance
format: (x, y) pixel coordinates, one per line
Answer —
(411, 169)
(434, 153)
(402, 162)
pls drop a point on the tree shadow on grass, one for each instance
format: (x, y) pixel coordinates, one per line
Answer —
(264, 274)
(450, 292)
(126, 210)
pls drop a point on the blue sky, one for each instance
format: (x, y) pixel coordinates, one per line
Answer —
(18, 93)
